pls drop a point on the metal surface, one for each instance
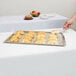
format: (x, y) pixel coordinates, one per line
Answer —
(61, 39)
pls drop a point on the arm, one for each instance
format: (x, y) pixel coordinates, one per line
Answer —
(70, 22)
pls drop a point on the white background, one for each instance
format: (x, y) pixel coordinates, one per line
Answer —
(22, 7)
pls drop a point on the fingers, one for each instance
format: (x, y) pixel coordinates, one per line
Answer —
(67, 25)
(70, 26)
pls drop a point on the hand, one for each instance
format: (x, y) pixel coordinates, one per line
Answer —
(68, 24)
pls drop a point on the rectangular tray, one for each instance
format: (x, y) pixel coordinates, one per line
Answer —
(61, 39)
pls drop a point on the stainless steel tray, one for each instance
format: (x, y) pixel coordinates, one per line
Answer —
(61, 39)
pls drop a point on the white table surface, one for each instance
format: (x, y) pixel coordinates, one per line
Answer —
(13, 23)
(37, 60)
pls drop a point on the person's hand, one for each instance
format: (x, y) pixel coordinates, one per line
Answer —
(68, 24)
